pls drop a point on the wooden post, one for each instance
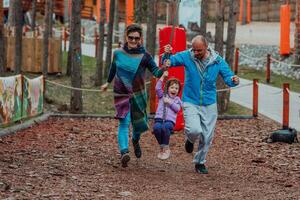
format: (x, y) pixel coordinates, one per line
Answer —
(83, 34)
(96, 42)
(22, 94)
(286, 106)
(255, 98)
(268, 68)
(65, 38)
(236, 60)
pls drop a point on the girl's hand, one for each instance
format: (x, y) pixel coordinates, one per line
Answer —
(164, 76)
(104, 87)
(167, 100)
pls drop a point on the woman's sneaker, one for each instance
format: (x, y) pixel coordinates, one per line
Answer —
(125, 158)
(201, 169)
(137, 149)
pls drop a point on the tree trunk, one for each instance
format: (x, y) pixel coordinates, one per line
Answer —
(46, 37)
(50, 18)
(99, 70)
(138, 14)
(66, 11)
(116, 23)
(231, 31)
(151, 27)
(222, 96)
(220, 7)
(11, 13)
(33, 14)
(109, 36)
(70, 52)
(204, 15)
(18, 30)
(297, 34)
(2, 43)
(76, 77)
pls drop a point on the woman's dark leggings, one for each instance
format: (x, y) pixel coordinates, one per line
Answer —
(162, 131)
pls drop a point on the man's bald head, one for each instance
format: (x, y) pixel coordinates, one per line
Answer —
(199, 47)
(200, 39)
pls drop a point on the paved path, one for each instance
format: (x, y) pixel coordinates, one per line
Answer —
(270, 102)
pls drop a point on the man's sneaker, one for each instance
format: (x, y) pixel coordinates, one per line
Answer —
(137, 149)
(189, 147)
(125, 159)
(201, 169)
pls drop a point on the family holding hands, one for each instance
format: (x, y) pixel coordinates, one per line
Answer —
(202, 66)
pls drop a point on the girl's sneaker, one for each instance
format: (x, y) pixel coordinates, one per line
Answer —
(160, 153)
(166, 154)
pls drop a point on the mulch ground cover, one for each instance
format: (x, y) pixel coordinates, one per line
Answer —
(65, 158)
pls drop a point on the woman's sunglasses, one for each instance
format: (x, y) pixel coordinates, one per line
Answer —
(131, 38)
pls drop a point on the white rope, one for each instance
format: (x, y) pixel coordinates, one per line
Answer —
(237, 87)
(252, 58)
(278, 61)
(87, 90)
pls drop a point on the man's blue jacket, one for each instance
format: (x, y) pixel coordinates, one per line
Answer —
(200, 87)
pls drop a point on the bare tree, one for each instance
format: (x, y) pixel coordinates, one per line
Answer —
(46, 36)
(203, 16)
(76, 75)
(109, 36)
(116, 23)
(2, 42)
(66, 11)
(33, 14)
(151, 26)
(99, 69)
(222, 96)
(138, 11)
(297, 34)
(18, 16)
(231, 31)
(220, 8)
(11, 13)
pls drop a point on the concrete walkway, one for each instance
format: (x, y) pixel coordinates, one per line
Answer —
(270, 101)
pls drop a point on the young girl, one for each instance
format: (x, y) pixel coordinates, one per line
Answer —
(128, 70)
(168, 107)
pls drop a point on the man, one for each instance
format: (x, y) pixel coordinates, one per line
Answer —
(202, 66)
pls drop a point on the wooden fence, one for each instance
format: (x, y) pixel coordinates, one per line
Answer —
(32, 54)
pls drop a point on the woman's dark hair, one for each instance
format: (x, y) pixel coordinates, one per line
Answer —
(134, 28)
(172, 81)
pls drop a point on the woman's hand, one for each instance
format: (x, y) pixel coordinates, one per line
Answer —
(104, 87)
(164, 76)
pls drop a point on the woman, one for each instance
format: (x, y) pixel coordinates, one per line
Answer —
(128, 71)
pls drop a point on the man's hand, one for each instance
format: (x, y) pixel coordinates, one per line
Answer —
(168, 49)
(235, 79)
(104, 87)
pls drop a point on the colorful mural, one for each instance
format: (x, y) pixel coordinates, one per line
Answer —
(16, 103)
(10, 99)
(33, 98)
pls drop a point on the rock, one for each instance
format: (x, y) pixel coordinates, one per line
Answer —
(125, 194)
